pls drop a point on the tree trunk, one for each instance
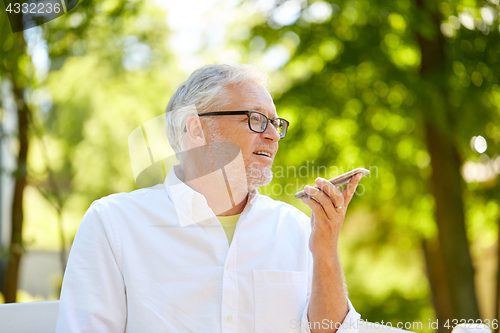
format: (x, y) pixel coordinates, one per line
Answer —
(62, 253)
(446, 180)
(446, 183)
(439, 284)
(16, 239)
(497, 297)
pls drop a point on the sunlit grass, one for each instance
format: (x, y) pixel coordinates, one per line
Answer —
(25, 297)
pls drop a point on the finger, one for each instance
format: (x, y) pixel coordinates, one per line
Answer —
(323, 199)
(333, 191)
(350, 189)
(317, 209)
(315, 206)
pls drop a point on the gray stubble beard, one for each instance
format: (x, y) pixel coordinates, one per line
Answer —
(256, 176)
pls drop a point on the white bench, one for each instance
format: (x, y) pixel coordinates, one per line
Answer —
(41, 317)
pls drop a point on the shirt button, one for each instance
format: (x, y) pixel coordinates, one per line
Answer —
(229, 318)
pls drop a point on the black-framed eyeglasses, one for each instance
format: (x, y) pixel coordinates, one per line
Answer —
(257, 121)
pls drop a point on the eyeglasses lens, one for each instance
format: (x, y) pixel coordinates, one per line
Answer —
(282, 127)
(259, 122)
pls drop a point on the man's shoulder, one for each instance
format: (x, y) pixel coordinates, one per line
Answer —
(141, 196)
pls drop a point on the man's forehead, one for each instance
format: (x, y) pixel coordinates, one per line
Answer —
(251, 96)
(263, 110)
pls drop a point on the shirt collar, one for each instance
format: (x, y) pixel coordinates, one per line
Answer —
(192, 206)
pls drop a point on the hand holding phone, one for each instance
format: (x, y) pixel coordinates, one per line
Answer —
(339, 180)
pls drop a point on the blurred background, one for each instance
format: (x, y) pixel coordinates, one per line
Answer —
(407, 88)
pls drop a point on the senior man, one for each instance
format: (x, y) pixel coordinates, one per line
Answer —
(205, 252)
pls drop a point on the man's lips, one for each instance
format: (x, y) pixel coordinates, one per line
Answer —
(264, 153)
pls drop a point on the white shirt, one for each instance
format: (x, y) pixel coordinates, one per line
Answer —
(138, 264)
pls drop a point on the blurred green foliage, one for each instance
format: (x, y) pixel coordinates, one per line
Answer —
(353, 91)
(110, 70)
(350, 86)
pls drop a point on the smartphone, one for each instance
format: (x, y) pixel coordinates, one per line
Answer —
(339, 180)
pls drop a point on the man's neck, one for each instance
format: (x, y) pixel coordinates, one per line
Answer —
(211, 189)
(236, 209)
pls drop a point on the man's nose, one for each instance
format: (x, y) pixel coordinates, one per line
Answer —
(271, 133)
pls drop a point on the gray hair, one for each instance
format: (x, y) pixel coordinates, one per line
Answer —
(202, 92)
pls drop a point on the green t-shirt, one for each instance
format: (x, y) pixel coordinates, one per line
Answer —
(229, 225)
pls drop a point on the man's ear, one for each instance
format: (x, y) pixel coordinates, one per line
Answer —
(195, 132)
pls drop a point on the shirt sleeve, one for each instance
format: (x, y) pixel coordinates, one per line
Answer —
(351, 321)
(93, 295)
(349, 325)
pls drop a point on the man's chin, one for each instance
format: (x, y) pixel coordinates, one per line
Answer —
(258, 176)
